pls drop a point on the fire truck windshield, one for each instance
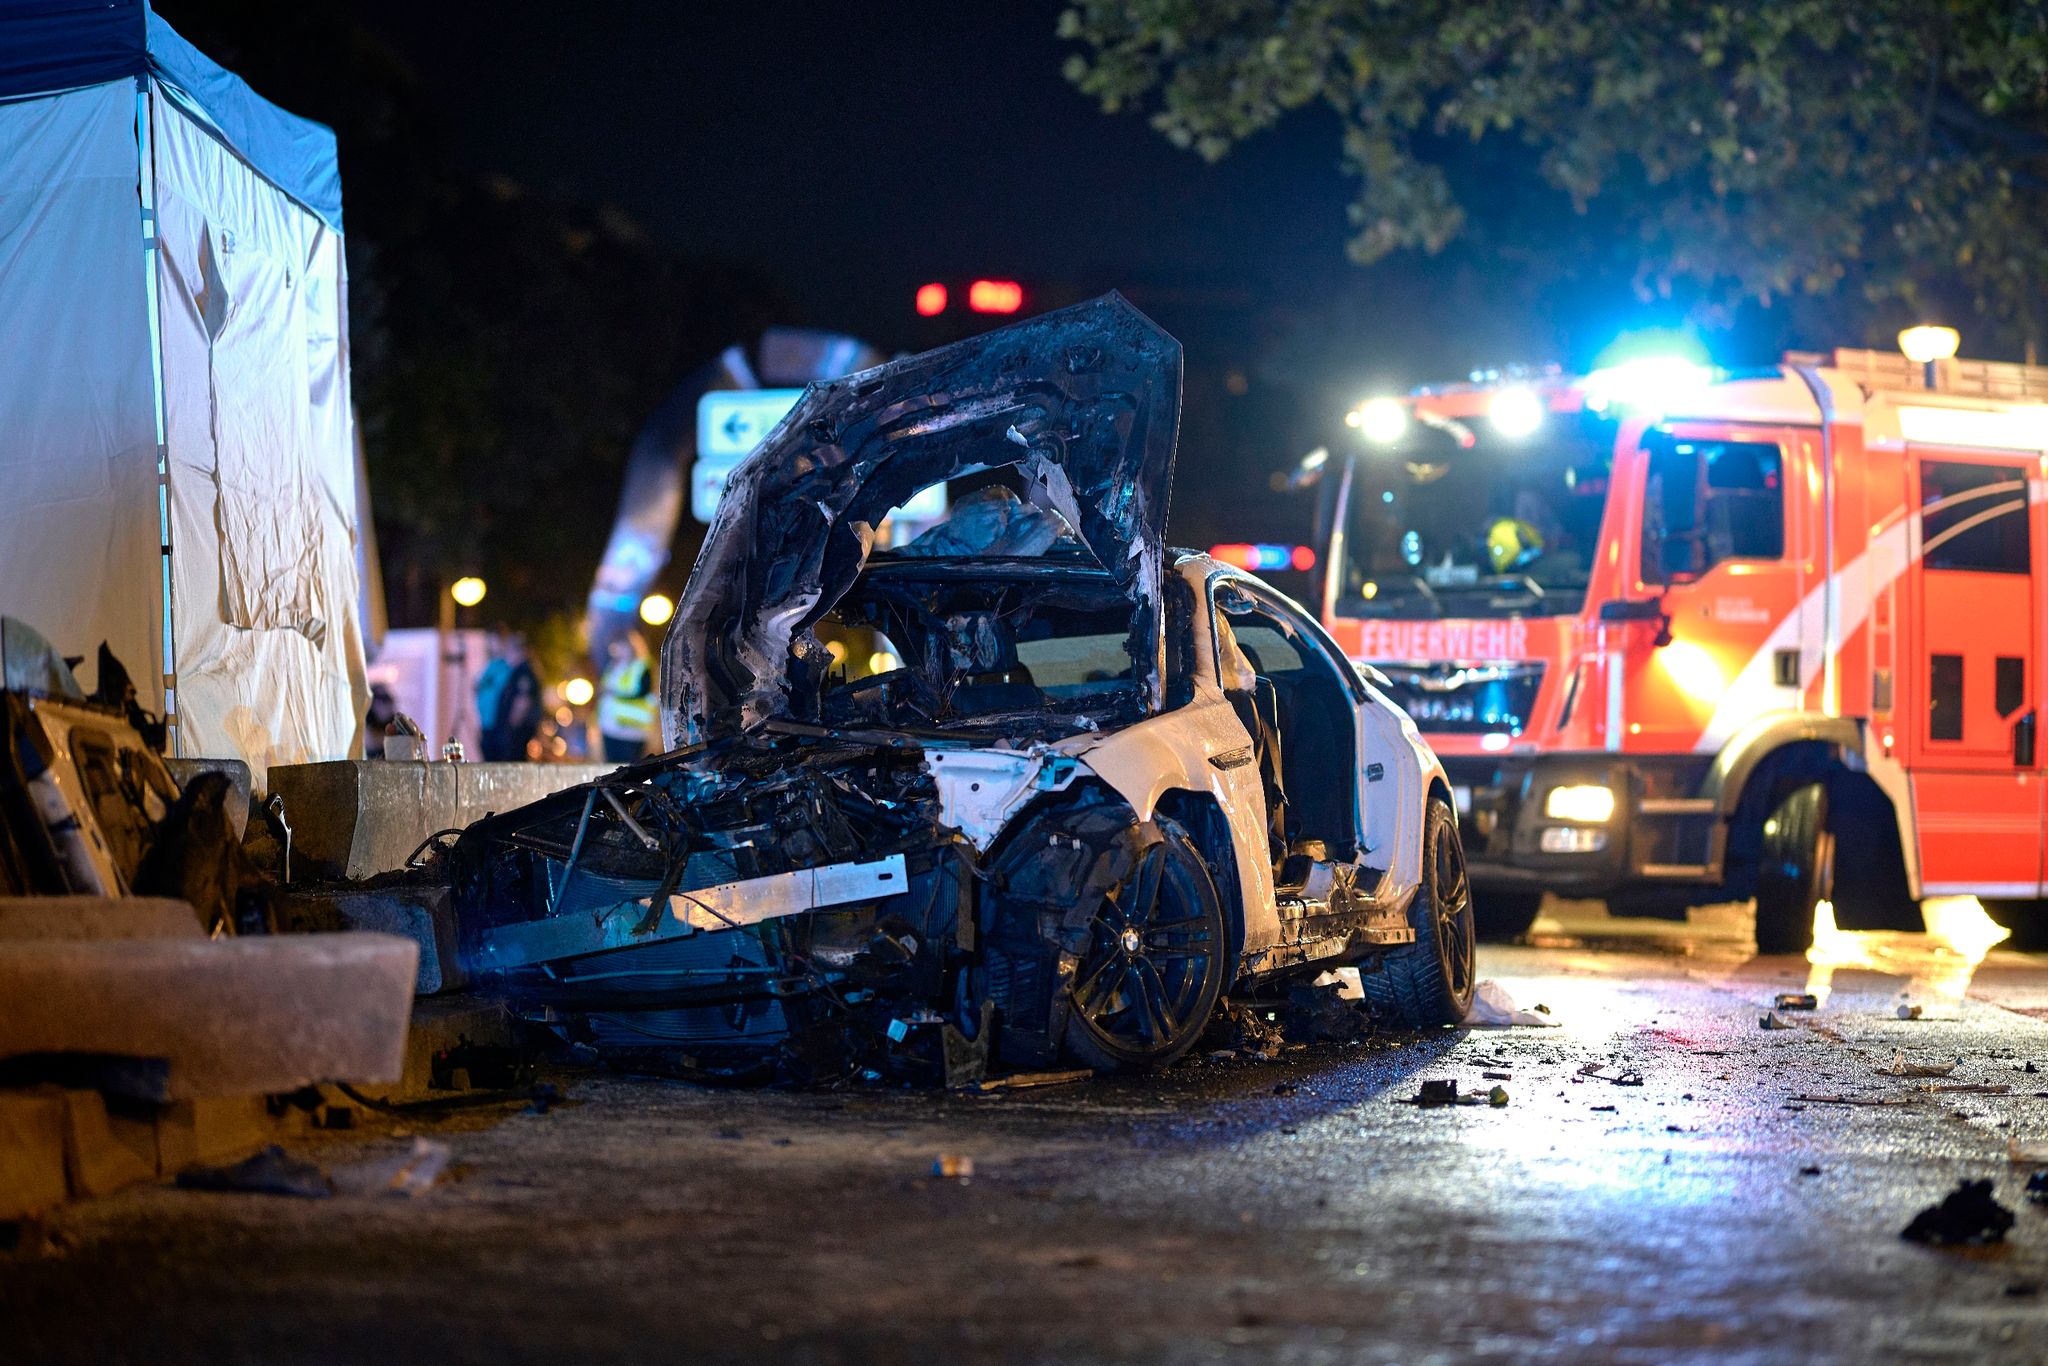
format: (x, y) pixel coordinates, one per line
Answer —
(1458, 522)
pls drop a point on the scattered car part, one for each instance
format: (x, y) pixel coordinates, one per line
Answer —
(1967, 1216)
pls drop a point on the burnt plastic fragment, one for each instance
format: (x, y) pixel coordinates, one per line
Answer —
(1968, 1216)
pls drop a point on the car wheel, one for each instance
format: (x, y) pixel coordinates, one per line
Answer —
(1428, 983)
(1498, 917)
(2027, 919)
(1149, 979)
(1796, 871)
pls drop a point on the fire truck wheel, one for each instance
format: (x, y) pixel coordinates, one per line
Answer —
(1428, 984)
(1796, 871)
(1500, 917)
(2027, 919)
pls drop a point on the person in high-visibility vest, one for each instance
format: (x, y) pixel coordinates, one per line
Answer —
(625, 699)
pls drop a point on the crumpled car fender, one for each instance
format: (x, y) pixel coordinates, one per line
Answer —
(1201, 747)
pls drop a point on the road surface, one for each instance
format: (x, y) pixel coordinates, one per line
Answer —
(1293, 1210)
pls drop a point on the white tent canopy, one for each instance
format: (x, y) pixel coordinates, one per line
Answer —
(177, 465)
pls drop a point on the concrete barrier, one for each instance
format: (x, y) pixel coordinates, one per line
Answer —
(230, 1017)
(97, 917)
(354, 818)
(422, 914)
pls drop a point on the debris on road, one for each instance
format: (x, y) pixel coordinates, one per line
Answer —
(1620, 1076)
(1494, 1008)
(1797, 1000)
(1873, 1101)
(1435, 1093)
(412, 1172)
(1498, 1076)
(1247, 1031)
(1910, 1013)
(1967, 1216)
(2037, 1188)
(2025, 1154)
(270, 1172)
(1025, 1081)
(1438, 1094)
(953, 1167)
(1901, 1068)
(1322, 1012)
(1771, 1019)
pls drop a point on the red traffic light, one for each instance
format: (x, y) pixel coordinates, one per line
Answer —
(931, 300)
(995, 296)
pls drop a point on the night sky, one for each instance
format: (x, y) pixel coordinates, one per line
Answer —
(854, 151)
(851, 152)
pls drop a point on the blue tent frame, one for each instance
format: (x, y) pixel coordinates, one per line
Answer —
(49, 46)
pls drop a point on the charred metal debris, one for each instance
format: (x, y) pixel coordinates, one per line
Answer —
(90, 807)
(788, 904)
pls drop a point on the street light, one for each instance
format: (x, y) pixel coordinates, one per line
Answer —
(1926, 344)
(657, 608)
(467, 591)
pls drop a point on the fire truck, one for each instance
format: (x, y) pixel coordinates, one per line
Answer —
(1683, 636)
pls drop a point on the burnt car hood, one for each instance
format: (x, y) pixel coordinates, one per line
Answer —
(1084, 405)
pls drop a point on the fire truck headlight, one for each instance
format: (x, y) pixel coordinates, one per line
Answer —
(1382, 420)
(1515, 413)
(1587, 802)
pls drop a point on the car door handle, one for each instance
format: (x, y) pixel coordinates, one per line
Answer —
(2023, 742)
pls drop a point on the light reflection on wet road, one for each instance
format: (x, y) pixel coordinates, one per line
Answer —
(1742, 1203)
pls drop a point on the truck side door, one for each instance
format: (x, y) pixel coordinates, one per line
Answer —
(1973, 654)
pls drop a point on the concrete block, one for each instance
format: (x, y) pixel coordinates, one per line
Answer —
(231, 1017)
(97, 917)
(95, 1161)
(211, 1129)
(31, 1152)
(354, 818)
(424, 914)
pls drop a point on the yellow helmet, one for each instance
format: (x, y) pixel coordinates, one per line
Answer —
(1512, 543)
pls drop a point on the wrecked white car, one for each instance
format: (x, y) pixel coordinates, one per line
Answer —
(1087, 786)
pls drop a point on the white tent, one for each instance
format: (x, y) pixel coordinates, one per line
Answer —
(177, 466)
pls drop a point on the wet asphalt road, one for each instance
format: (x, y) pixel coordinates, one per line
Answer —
(1291, 1210)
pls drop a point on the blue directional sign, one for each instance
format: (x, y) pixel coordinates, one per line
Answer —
(732, 422)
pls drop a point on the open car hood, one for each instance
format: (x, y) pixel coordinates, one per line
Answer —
(1084, 403)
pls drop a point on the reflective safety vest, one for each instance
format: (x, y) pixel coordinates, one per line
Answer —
(625, 704)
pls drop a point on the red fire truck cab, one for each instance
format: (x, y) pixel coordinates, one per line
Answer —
(1683, 637)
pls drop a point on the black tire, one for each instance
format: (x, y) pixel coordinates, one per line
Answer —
(1154, 967)
(1502, 917)
(1428, 984)
(1795, 870)
(2027, 919)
